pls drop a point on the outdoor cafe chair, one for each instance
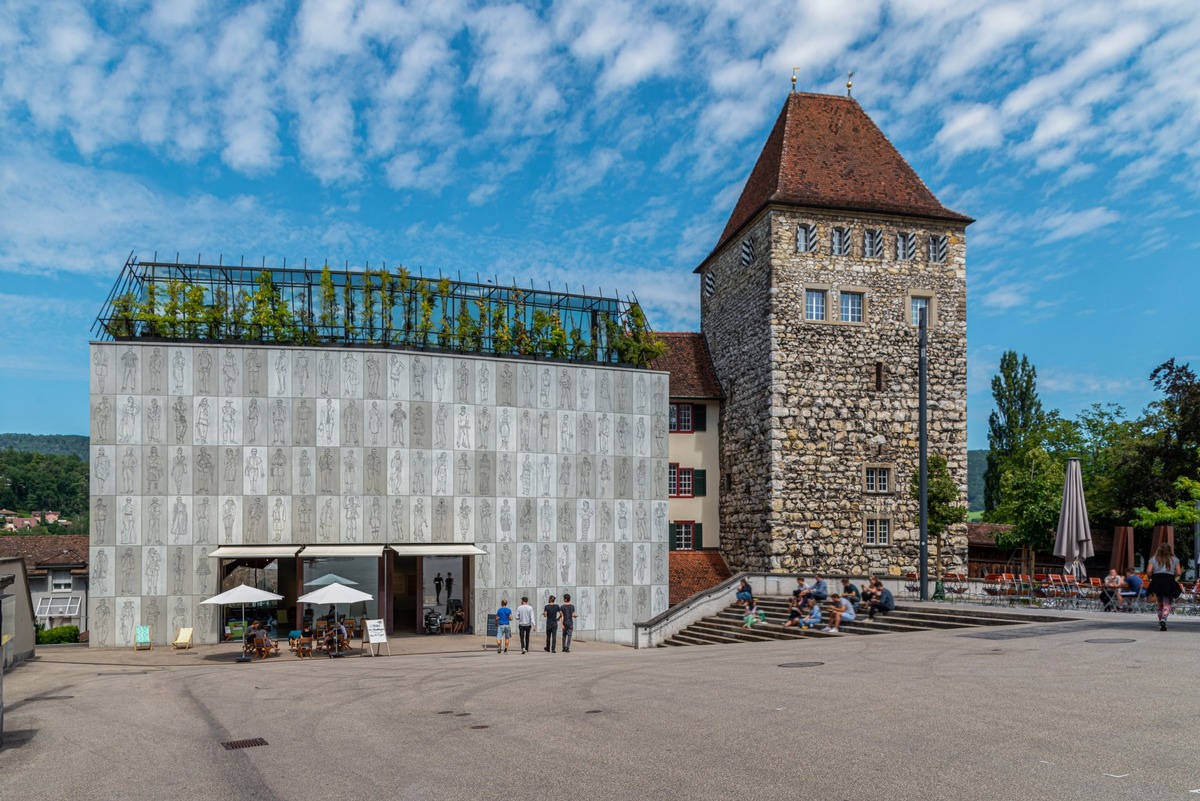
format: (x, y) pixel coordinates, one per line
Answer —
(304, 647)
(955, 585)
(912, 586)
(993, 587)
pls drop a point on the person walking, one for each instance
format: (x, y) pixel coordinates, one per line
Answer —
(437, 588)
(503, 626)
(566, 611)
(551, 613)
(525, 622)
(1164, 571)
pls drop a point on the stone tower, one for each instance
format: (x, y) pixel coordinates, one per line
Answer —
(809, 304)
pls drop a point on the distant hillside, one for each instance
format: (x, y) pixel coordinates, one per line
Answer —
(53, 444)
(976, 467)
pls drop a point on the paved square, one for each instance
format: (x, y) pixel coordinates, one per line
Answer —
(1029, 712)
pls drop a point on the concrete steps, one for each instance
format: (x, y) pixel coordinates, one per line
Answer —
(726, 627)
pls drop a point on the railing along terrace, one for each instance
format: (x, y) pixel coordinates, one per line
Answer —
(304, 306)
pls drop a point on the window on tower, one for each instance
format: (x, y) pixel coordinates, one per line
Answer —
(906, 246)
(814, 304)
(873, 243)
(851, 307)
(806, 238)
(840, 241)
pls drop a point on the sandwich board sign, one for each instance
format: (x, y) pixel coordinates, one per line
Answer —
(377, 635)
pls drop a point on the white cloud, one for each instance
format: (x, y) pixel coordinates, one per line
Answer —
(1069, 224)
(971, 126)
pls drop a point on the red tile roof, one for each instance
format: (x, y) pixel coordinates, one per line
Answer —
(694, 571)
(47, 549)
(825, 152)
(688, 361)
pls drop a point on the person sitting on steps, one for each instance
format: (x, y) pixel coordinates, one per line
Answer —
(843, 610)
(882, 603)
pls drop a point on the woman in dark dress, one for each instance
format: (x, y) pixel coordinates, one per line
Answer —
(1164, 571)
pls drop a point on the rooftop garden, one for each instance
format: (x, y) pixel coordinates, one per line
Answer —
(197, 302)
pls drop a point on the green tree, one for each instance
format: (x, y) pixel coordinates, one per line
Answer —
(122, 323)
(945, 507)
(193, 311)
(1181, 513)
(369, 295)
(1030, 500)
(349, 311)
(327, 319)
(445, 320)
(1016, 425)
(387, 303)
(148, 313)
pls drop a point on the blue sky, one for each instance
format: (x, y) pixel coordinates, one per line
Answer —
(594, 144)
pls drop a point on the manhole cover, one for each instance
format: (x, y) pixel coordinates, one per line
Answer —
(233, 745)
(1111, 640)
(801, 664)
(485, 726)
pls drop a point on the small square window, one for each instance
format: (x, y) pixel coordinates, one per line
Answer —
(937, 249)
(906, 246)
(673, 480)
(878, 531)
(685, 535)
(840, 241)
(852, 307)
(806, 238)
(686, 481)
(878, 480)
(873, 243)
(60, 581)
(747, 251)
(919, 305)
(683, 418)
(710, 285)
(814, 304)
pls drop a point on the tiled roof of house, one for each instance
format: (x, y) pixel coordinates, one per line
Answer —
(984, 535)
(825, 152)
(688, 361)
(694, 571)
(39, 550)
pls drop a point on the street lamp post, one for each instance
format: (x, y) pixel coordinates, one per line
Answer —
(923, 457)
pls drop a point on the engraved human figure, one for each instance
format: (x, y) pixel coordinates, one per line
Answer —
(622, 434)
(418, 379)
(464, 475)
(622, 391)
(153, 471)
(179, 616)
(204, 617)
(420, 526)
(526, 522)
(544, 389)
(567, 435)
(252, 415)
(154, 421)
(506, 485)
(103, 418)
(564, 564)
(623, 476)
(304, 518)
(179, 521)
(129, 465)
(660, 519)
(544, 431)
(505, 521)
(525, 565)
(254, 471)
(100, 572)
(418, 473)
(484, 420)
(464, 519)
(128, 561)
(256, 519)
(229, 370)
(179, 470)
(304, 424)
(566, 397)
(605, 477)
(660, 434)
(564, 476)
(375, 519)
(641, 393)
(603, 391)
(603, 432)
(439, 380)
(375, 422)
(585, 433)
(231, 470)
(439, 431)
(178, 571)
(546, 517)
(585, 385)
(606, 515)
(566, 522)
(505, 564)
(464, 377)
(101, 467)
(505, 429)
(325, 525)
(440, 473)
(641, 479)
(463, 437)
(396, 469)
(351, 424)
(277, 515)
(100, 364)
(178, 370)
(585, 522)
(527, 384)
(585, 560)
(278, 470)
(527, 476)
(585, 476)
(202, 517)
(129, 364)
(640, 565)
(622, 602)
(127, 621)
(398, 519)
(349, 472)
(103, 613)
(485, 474)
(526, 424)
(327, 422)
(101, 517)
(202, 422)
(204, 364)
(546, 564)
(324, 374)
(278, 423)
(351, 518)
(485, 517)
(129, 421)
(305, 472)
(153, 569)
(395, 374)
(228, 424)
(152, 613)
(301, 373)
(660, 563)
(546, 475)
(228, 512)
(441, 514)
(281, 373)
(484, 382)
(253, 369)
(623, 520)
(156, 519)
(639, 437)
(179, 415)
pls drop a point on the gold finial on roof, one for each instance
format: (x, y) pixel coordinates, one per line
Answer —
(794, 71)
(849, 82)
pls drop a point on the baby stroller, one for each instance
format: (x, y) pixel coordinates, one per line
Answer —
(433, 621)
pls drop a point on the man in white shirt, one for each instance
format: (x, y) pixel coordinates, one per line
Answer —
(525, 622)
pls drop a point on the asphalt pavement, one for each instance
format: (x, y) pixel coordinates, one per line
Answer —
(1100, 707)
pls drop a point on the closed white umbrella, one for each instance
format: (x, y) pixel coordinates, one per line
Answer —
(335, 594)
(242, 594)
(1074, 539)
